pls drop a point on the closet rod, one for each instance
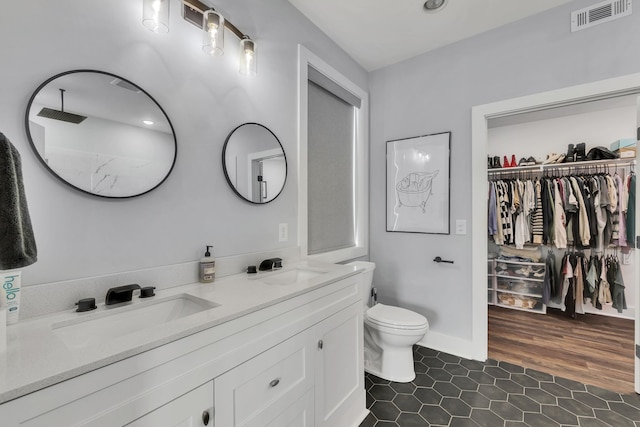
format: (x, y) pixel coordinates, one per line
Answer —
(571, 165)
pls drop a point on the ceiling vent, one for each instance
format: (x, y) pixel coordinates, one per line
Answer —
(599, 14)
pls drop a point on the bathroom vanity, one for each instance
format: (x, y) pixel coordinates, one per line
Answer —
(281, 348)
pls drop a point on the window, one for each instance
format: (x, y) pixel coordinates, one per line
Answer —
(333, 163)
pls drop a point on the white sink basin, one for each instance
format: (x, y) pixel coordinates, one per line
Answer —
(289, 277)
(95, 328)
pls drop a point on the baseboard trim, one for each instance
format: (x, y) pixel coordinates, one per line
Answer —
(448, 344)
(361, 418)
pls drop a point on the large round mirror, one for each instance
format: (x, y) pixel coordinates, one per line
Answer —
(101, 134)
(254, 163)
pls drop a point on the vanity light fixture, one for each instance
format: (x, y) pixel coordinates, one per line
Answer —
(155, 15)
(213, 25)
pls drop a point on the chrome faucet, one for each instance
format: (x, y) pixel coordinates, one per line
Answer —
(270, 264)
(120, 294)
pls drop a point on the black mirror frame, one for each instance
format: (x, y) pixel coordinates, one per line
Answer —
(46, 166)
(224, 166)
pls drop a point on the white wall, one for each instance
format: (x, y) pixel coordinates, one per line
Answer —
(434, 93)
(205, 98)
(541, 137)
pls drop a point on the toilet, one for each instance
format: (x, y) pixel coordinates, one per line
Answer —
(389, 334)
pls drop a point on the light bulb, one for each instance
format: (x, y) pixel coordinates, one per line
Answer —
(155, 15)
(248, 57)
(213, 39)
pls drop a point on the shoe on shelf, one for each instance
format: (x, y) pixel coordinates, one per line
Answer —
(505, 162)
(527, 162)
(524, 271)
(551, 159)
(496, 162)
(581, 155)
(561, 158)
(571, 154)
(538, 274)
(513, 163)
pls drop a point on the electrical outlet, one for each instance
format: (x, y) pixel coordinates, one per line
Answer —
(283, 232)
(626, 258)
(461, 226)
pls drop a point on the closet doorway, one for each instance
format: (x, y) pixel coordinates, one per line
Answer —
(525, 112)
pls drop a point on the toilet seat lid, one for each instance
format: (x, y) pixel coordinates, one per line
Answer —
(387, 315)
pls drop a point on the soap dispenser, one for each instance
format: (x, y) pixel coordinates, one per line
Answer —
(207, 267)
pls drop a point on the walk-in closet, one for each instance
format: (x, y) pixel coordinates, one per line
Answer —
(561, 279)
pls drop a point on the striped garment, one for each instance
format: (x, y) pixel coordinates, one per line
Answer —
(537, 216)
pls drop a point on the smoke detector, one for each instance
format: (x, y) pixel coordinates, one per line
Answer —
(434, 5)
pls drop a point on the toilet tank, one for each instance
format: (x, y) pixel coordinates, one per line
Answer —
(367, 278)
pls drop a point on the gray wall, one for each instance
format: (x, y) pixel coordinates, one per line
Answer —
(434, 93)
(205, 97)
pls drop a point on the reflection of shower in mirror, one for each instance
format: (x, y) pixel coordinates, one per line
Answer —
(113, 140)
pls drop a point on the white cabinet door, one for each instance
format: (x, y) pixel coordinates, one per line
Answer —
(339, 389)
(300, 414)
(260, 389)
(193, 409)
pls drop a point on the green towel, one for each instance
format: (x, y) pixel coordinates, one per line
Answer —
(17, 243)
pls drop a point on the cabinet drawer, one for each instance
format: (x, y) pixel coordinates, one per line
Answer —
(529, 303)
(524, 270)
(520, 286)
(266, 384)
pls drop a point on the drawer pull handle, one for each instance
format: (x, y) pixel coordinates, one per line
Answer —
(320, 344)
(205, 418)
(274, 382)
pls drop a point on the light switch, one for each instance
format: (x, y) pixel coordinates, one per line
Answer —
(461, 226)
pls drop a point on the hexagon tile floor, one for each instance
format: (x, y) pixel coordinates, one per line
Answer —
(455, 392)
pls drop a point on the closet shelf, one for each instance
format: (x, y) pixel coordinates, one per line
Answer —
(522, 294)
(512, 277)
(563, 166)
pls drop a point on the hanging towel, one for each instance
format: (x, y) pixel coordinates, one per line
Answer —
(17, 243)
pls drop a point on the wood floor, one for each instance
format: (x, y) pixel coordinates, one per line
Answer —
(592, 349)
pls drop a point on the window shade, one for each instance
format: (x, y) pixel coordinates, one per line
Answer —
(331, 129)
(333, 88)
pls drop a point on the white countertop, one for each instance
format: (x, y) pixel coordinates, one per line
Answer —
(37, 358)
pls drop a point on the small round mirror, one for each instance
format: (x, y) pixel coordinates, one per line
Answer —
(254, 163)
(101, 134)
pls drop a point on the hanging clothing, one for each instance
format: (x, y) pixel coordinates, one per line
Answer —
(493, 220)
(622, 208)
(604, 293)
(631, 209)
(536, 217)
(582, 235)
(559, 220)
(549, 284)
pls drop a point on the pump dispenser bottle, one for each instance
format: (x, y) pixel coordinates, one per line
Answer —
(207, 267)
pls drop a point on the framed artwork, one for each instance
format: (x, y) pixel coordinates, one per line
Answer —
(418, 173)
